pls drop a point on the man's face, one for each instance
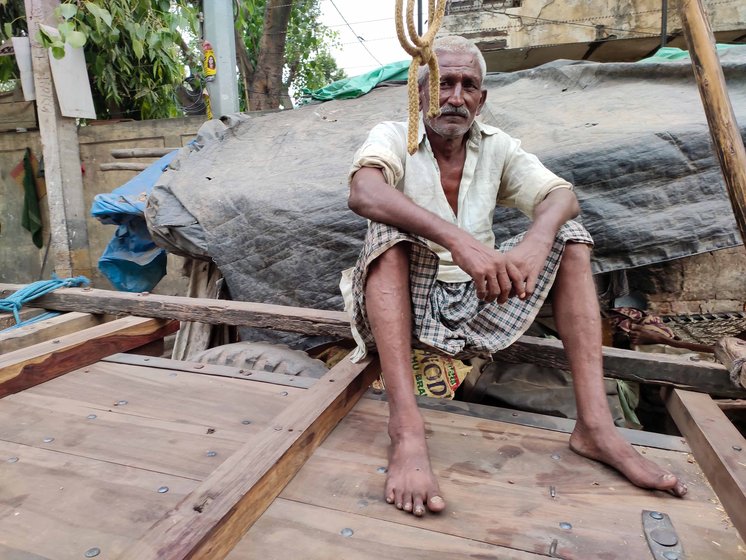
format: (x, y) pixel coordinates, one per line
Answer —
(461, 95)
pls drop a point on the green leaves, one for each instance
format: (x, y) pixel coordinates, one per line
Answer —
(8, 29)
(76, 39)
(99, 13)
(67, 11)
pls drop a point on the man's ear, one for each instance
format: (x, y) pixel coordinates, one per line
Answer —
(421, 98)
(481, 101)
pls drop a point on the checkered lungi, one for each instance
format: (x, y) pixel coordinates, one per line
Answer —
(448, 316)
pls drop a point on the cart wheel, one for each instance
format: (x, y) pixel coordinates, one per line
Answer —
(263, 356)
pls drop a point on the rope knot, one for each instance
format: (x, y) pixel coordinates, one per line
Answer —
(426, 53)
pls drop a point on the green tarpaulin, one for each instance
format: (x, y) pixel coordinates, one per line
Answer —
(350, 88)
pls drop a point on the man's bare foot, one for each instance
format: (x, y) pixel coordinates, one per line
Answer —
(608, 446)
(410, 483)
(639, 335)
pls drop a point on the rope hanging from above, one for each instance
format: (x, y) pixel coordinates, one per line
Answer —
(420, 49)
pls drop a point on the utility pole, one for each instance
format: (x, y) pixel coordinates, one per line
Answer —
(419, 18)
(218, 28)
(62, 173)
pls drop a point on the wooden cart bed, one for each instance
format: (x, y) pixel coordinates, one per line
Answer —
(123, 433)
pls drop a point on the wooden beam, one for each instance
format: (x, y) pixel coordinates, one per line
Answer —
(31, 366)
(731, 404)
(8, 320)
(717, 446)
(212, 369)
(209, 522)
(660, 369)
(62, 173)
(141, 152)
(48, 329)
(200, 310)
(117, 166)
(714, 93)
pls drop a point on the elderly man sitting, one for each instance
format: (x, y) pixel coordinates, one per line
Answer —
(429, 272)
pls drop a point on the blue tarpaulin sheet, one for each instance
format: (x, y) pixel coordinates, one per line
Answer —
(131, 261)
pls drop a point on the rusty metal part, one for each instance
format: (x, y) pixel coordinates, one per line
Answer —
(662, 539)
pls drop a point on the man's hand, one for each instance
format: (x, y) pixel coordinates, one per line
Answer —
(495, 275)
(499, 276)
(529, 257)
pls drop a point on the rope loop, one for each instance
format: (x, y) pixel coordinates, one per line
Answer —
(14, 302)
(422, 53)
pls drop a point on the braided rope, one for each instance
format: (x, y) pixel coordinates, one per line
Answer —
(14, 302)
(420, 49)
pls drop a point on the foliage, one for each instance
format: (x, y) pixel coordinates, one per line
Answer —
(137, 59)
(14, 25)
(308, 60)
(136, 50)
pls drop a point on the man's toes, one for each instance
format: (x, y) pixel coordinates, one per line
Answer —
(679, 490)
(436, 503)
(419, 507)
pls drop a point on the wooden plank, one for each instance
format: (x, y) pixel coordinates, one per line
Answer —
(212, 311)
(659, 369)
(27, 367)
(212, 369)
(20, 114)
(726, 135)
(295, 530)
(496, 477)
(182, 398)
(718, 447)
(213, 519)
(8, 320)
(731, 404)
(56, 506)
(141, 152)
(69, 247)
(48, 329)
(114, 437)
(543, 421)
(119, 166)
(621, 364)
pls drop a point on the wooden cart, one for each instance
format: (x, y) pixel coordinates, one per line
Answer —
(111, 455)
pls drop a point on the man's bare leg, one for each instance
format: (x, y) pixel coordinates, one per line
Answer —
(410, 483)
(578, 322)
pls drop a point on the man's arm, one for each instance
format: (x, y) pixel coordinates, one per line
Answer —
(529, 256)
(493, 273)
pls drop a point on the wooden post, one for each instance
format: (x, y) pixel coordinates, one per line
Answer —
(725, 132)
(62, 173)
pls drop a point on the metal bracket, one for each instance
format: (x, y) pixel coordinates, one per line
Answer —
(662, 539)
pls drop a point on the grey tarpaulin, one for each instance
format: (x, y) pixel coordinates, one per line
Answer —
(265, 196)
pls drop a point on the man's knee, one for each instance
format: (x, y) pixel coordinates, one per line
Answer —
(395, 258)
(576, 256)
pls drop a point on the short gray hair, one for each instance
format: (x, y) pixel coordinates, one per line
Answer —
(454, 44)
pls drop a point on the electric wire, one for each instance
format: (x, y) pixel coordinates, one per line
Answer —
(355, 34)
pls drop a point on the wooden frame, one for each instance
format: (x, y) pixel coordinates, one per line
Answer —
(628, 365)
(27, 367)
(213, 518)
(717, 446)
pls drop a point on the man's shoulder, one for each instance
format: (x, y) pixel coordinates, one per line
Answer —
(395, 127)
(488, 130)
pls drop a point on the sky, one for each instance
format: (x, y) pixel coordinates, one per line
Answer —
(373, 22)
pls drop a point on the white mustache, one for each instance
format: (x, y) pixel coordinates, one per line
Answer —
(452, 110)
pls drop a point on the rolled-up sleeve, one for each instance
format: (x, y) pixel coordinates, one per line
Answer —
(525, 182)
(383, 149)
